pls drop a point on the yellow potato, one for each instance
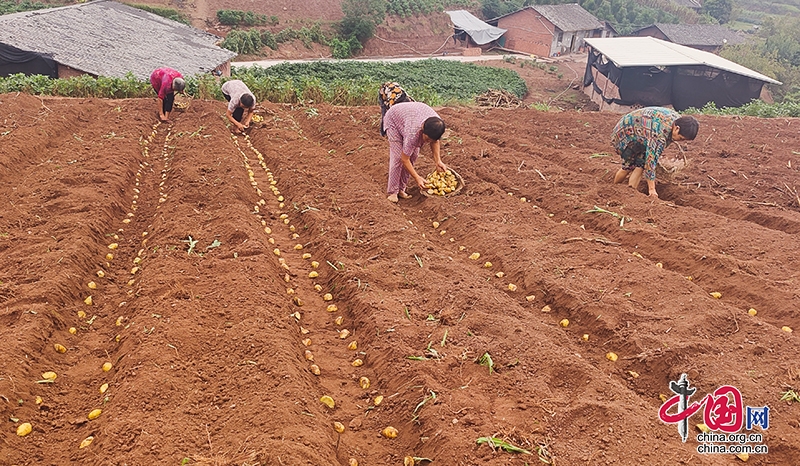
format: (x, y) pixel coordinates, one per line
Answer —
(113, 246)
(307, 341)
(109, 257)
(389, 432)
(50, 375)
(103, 388)
(338, 427)
(94, 414)
(435, 224)
(277, 252)
(86, 442)
(585, 337)
(309, 355)
(313, 274)
(91, 285)
(475, 256)
(101, 274)
(315, 369)
(344, 334)
(88, 301)
(752, 312)
(38, 400)
(611, 356)
(363, 382)
(353, 345)
(512, 287)
(73, 330)
(378, 400)
(357, 363)
(314, 264)
(107, 366)
(530, 298)
(81, 314)
(298, 247)
(487, 264)
(339, 320)
(352, 462)
(408, 461)
(633, 374)
(327, 297)
(702, 427)
(24, 429)
(564, 322)
(306, 255)
(328, 401)
(60, 348)
(716, 294)
(659, 265)
(786, 329)
(332, 308)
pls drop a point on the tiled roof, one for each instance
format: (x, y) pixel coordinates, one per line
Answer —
(569, 17)
(709, 35)
(106, 38)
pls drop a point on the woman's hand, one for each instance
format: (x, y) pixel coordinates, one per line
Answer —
(423, 185)
(441, 166)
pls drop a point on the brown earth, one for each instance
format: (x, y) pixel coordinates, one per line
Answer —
(209, 363)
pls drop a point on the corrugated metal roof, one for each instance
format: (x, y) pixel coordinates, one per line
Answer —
(479, 31)
(106, 38)
(649, 51)
(710, 35)
(693, 4)
(569, 17)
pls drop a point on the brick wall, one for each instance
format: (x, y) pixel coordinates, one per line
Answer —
(528, 32)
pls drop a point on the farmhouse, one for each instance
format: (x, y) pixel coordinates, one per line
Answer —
(708, 37)
(625, 72)
(105, 38)
(549, 30)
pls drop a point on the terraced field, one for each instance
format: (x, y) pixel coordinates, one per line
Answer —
(224, 273)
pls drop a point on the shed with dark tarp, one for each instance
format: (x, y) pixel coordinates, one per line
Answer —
(644, 71)
(480, 32)
(14, 60)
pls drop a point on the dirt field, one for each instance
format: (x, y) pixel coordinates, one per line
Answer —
(209, 349)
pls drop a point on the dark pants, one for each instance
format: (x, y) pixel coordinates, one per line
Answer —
(238, 113)
(169, 100)
(633, 155)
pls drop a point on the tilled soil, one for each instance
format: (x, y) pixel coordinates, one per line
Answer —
(211, 333)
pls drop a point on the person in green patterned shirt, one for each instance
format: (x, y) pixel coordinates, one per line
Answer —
(641, 136)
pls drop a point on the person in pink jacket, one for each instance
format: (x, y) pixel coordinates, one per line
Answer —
(166, 82)
(409, 127)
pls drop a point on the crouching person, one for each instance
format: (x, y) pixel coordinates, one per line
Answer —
(241, 104)
(641, 136)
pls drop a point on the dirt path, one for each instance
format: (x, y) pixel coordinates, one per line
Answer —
(211, 349)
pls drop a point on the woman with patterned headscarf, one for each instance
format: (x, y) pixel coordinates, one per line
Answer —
(390, 93)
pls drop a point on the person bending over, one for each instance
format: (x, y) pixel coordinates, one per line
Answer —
(166, 82)
(390, 93)
(241, 104)
(408, 127)
(641, 136)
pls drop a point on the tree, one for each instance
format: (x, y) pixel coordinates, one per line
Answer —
(361, 17)
(719, 9)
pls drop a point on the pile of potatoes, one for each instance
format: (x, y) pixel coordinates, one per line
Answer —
(441, 183)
